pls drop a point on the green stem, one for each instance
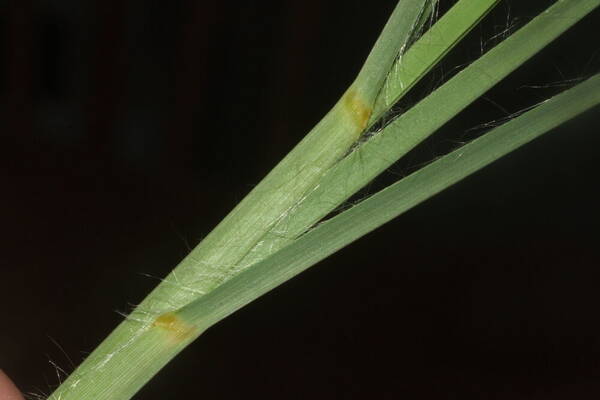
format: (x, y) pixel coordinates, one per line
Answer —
(156, 331)
(151, 336)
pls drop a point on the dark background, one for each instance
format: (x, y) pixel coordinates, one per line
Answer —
(130, 128)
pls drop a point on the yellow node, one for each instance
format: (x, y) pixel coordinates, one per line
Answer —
(359, 110)
(177, 329)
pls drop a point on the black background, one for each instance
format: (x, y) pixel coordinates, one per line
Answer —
(130, 128)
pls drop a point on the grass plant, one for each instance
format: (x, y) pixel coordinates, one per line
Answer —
(280, 229)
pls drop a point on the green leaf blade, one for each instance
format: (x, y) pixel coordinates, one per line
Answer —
(343, 229)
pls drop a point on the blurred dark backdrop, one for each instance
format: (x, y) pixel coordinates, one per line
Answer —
(130, 128)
